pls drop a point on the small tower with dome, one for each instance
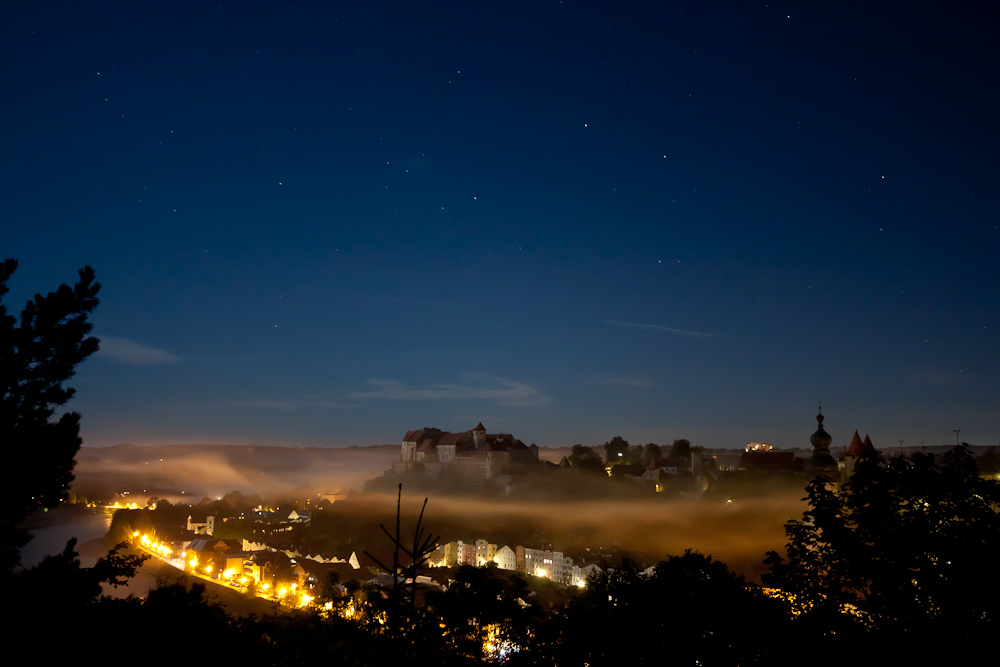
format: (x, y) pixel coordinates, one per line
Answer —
(821, 461)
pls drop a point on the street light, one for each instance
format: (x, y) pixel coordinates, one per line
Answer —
(957, 431)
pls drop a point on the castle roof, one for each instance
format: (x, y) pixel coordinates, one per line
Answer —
(449, 438)
(856, 446)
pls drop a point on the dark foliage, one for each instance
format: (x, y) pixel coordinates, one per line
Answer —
(484, 608)
(308, 639)
(586, 459)
(651, 452)
(616, 451)
(38, 353)
(680, 453)
(907, 545)
(690, 610)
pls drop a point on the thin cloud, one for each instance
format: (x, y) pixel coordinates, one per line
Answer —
(658, 327)
(293, 403)
(130, 352)
(503, 392)
(623, 381)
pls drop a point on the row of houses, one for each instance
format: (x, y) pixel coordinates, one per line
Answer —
(197, 547)
(263, 522)
(545, 563)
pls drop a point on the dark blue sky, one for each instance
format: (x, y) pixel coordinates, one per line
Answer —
(329, 223)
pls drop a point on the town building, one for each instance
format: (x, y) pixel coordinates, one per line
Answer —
(505, 558)
(206, 527)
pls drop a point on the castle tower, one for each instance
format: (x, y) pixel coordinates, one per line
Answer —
(854, 452)
(479, 435)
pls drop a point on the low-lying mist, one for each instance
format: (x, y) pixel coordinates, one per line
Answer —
(738, 532)
(182, 472)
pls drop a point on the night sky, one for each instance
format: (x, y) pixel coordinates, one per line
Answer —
(326, 223)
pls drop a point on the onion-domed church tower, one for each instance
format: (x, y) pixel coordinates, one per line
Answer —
(821, 461)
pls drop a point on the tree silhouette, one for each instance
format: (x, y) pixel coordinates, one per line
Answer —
(486, 615)
(680, 452)
(403, 620)
(37, 355)
(616, 451)
(689, 610)
(651, 452)
(901, 548)
(585, 458)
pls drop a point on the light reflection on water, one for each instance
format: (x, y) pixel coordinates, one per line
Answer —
(51, 539)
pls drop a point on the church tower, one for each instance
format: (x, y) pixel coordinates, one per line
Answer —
(821, 462)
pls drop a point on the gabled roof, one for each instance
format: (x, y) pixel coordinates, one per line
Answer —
(494, 446)
(229, 545)
(199, 544)
(420, 434)
(449, 438)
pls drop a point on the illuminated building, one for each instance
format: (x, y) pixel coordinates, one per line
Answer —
(485, 552)
(206, 527)
(505, 558)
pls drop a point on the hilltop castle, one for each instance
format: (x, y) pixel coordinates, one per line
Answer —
(471, 457)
